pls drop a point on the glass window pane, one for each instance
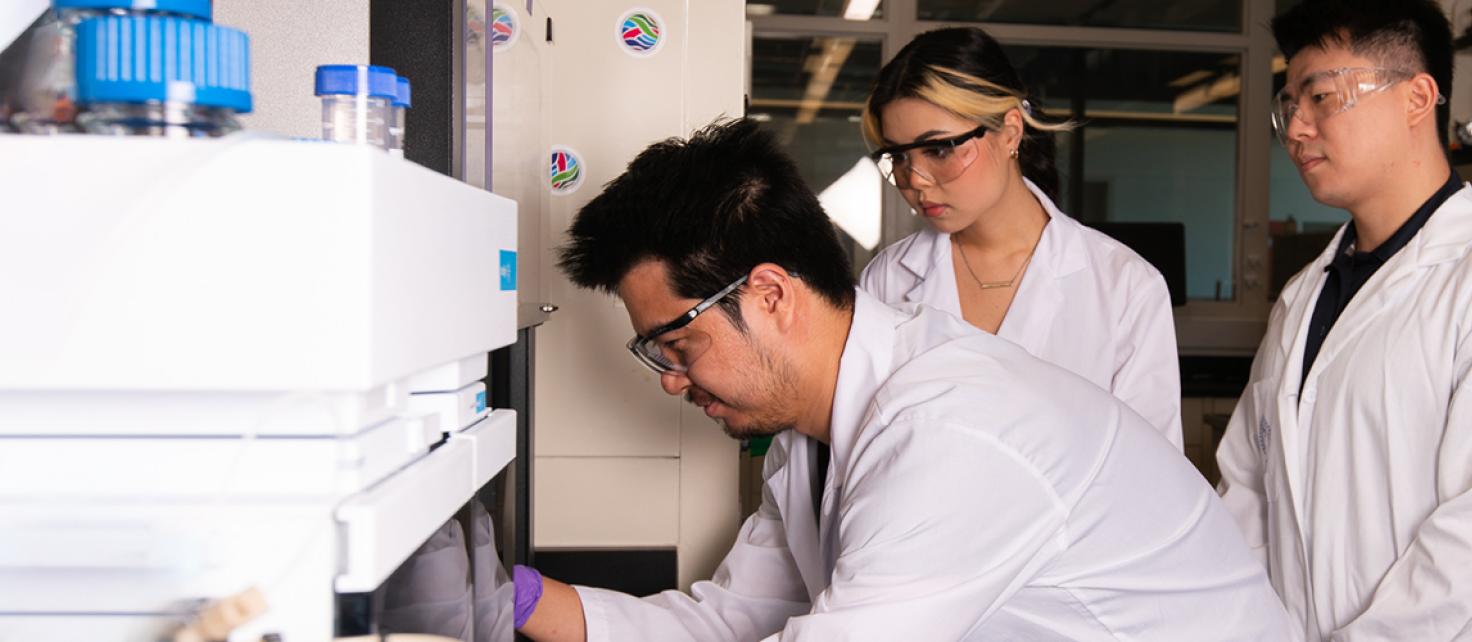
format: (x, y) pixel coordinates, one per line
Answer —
(809, 91)
(1157, 147)
(1190, 15)
(851, 9)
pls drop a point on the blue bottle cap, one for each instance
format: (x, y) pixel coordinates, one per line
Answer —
(404, 95)
(191, 8)
(352, 80)
(139, 59)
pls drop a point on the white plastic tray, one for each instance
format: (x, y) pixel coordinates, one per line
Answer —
(456, 410)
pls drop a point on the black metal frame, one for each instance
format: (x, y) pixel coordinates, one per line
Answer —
(417, 38)
(512, 372)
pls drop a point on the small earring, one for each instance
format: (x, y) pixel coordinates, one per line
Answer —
(1014, 153)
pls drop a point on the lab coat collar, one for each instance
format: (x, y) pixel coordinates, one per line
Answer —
(1308, 283)
(791, 489)
(1062, 246)
(918, 255)
(868, 361)
(929, 258)
(1447, 236)
(1060, 252)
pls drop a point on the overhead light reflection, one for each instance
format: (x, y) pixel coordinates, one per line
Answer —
(854, 203)
(860, 9)
(1191, 78)
(823, 67)
(1206, 93)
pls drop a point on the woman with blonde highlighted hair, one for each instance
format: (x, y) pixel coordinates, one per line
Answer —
(953, 129)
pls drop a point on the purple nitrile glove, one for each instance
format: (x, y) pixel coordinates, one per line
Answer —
(528, 584)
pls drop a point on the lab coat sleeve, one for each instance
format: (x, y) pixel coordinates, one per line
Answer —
(939, 527)
(1148, 377)
(753, 592)
(1427, 594)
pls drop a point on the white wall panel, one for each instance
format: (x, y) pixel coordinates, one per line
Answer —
(615, 502)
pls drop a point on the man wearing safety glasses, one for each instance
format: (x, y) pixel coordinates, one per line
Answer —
(928, 481)
(1348, 460)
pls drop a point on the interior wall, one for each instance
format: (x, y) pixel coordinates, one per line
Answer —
(289, 39)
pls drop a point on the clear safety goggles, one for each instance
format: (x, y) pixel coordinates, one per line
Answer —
(937, 161)
(676, 356)
(1326, 93)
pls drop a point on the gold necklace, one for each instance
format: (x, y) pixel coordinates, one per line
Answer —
(993, 285)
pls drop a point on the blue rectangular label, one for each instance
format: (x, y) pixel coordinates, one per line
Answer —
(508, 270)
(480, 402)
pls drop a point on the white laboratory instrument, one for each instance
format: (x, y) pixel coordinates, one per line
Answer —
(207, 370)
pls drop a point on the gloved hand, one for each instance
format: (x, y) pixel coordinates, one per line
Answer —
(528, 584)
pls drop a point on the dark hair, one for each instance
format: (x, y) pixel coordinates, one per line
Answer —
(1395, 33)
(711, 208)
(969, 60)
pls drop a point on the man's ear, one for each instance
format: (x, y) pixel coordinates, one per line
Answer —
(771, 291)
(1423, 94)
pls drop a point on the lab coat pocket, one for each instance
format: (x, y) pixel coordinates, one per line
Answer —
(1264, 423)
(1262, 427)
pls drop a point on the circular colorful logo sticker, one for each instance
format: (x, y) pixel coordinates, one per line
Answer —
(641, 32)
(565, 173)
(503, 27)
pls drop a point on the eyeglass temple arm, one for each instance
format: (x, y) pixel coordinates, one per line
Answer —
(705, 305)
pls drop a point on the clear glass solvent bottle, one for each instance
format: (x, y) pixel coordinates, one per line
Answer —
(161, 76)
(45, 101)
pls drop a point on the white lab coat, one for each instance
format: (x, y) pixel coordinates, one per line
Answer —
(974, 492)
(1356, 492)
(1087, 303)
